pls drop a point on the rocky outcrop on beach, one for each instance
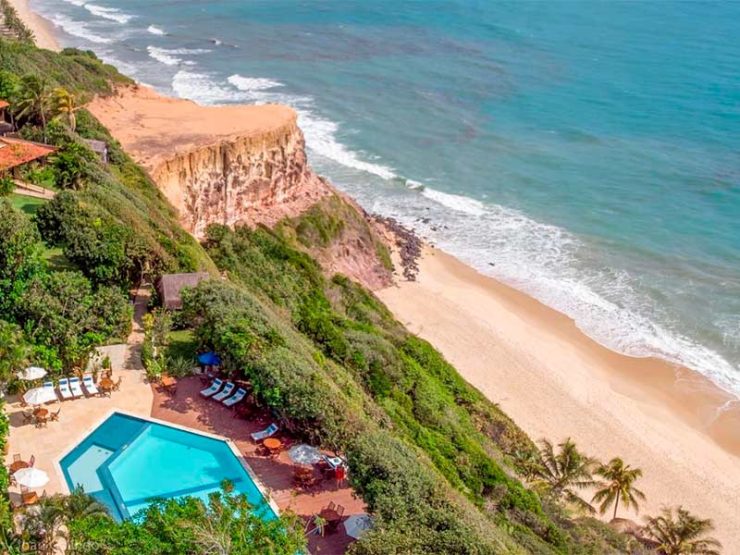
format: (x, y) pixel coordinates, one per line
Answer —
(407, 243)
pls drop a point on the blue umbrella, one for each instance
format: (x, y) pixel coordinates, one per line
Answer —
(209, 359)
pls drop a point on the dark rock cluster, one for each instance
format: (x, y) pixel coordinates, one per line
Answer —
(408, 243)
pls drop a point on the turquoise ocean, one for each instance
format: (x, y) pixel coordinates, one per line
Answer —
(587, 153)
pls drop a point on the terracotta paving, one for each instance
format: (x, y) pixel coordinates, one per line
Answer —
(187, 408)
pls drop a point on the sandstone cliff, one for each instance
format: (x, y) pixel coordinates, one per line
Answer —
(240, 165)
(259, 178)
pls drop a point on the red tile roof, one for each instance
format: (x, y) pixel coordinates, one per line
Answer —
(3, 104)
(14, 152)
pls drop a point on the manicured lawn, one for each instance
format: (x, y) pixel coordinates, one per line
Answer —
(29, 205)
(182, 344)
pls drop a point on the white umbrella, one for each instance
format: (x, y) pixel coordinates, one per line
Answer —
(39, 395)
(31, 477)
(32, 373)
(357, 525)
(304, 454)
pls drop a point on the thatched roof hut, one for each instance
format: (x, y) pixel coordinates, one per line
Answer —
(169, 287)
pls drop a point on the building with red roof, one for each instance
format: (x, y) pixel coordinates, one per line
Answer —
(16, 152)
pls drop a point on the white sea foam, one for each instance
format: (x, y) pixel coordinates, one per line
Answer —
(111, 14)
(171, 56)
(555, 267)
(76, 2)
(455, 202)
(154, 30)
(202, 88)
(77, 28)
(249, 84)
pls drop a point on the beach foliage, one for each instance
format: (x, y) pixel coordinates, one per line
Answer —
(617, 484)
(564, 472)
(678, 532)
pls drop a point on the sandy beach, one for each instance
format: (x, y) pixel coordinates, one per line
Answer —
(555, 383)
(43, 29)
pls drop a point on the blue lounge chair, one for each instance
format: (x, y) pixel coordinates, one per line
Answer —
(236, 397)
(271, 430)
(64, 390)
(228, 388)
(89, 384)
(215, 386)
(74, 385)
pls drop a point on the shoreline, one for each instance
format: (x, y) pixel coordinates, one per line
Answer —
(43, 29)
(556, 382)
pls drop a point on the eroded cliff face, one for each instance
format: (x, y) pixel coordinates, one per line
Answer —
(239, 165)
(259, 178)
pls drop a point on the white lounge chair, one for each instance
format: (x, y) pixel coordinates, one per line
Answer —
(89, 384)
(228, 388)
(215, 386)
(64, 388)
(235, 398)
(74, 385)
(264, 434)
(49, 386)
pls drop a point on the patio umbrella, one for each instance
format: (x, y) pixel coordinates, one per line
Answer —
(32, 373)
(39, 395)
(304, 454)
(357, 525)
(31, 477)
(209, 359)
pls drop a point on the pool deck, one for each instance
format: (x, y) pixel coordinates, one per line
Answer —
(187, 408)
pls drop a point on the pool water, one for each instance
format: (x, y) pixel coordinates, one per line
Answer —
(127, 462)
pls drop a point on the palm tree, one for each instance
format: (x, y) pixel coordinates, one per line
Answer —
(618, 484)
(681, 533)
(64, 104)
(562, 473)
(33, 100)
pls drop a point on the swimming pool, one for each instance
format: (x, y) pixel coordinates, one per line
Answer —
(128, 462)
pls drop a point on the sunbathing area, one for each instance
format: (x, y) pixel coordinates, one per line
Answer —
(74, 430)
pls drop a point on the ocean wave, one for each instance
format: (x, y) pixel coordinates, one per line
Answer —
(455, 202)
(171, 56)
(154, 30)
(76, 2)
(111, 14)
(202, 88)
(249, 84)
(77, 28)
